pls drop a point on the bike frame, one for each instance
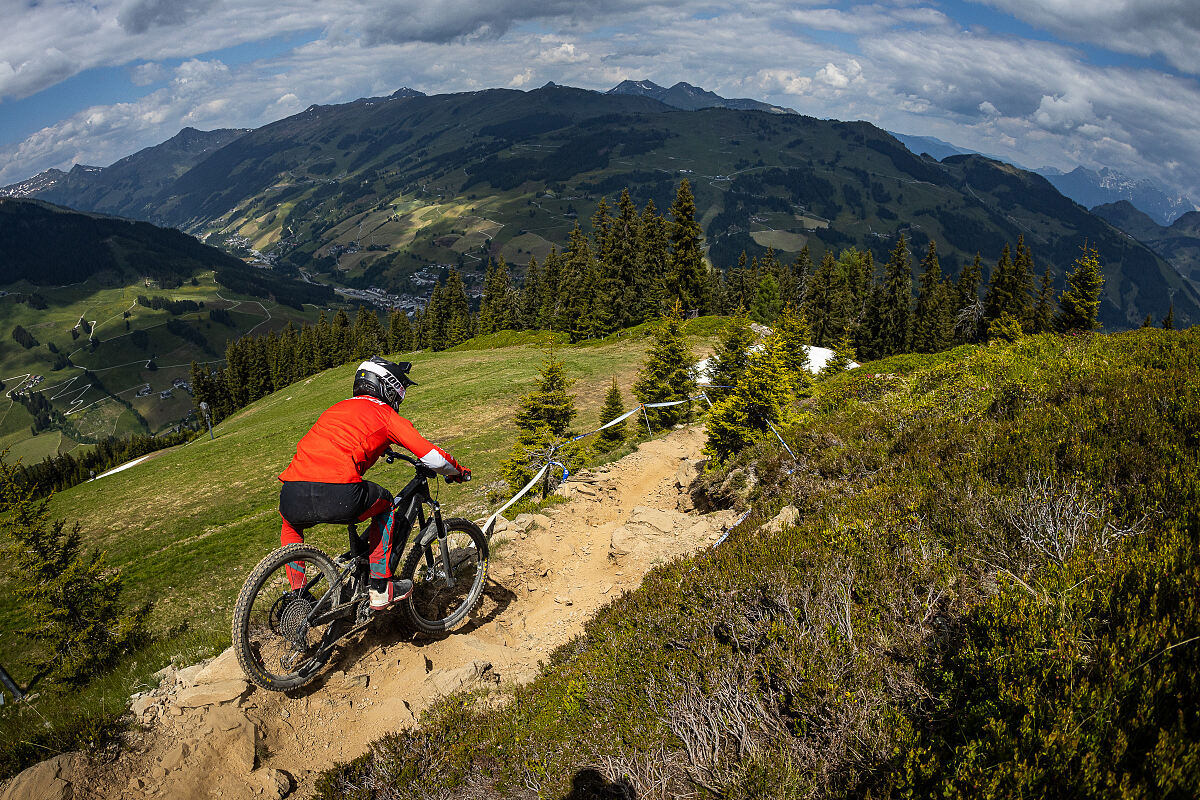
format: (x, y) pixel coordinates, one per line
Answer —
(413, 499)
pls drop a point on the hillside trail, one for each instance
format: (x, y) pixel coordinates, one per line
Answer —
(206, 734)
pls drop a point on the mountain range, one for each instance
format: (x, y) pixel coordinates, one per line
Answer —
(387, 191)
(1087, 187)
(1178, 243)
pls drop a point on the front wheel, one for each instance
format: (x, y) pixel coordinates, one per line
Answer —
(275, 641)
(440, 601)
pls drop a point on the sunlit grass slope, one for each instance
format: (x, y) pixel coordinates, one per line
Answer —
(186, 526)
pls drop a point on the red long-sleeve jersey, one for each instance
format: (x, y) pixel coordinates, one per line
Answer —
(350, 437)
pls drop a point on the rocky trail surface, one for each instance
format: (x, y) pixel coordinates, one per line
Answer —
(207, 733)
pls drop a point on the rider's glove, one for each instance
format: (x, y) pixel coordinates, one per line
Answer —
(463, 475)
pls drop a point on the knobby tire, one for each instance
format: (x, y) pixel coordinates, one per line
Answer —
(274, 647)
(433, 607)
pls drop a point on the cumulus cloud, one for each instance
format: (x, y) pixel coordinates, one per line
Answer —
(1170, 28)
(907, 67)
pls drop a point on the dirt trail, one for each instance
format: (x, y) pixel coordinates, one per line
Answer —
(207, 735)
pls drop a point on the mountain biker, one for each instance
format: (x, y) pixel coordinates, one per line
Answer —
(324, 482)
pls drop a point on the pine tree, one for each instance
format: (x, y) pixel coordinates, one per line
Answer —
(614, 407)
(1079, 305)
(550, 403)
(71, 599)
(1148, 322)
(542, 417)
(654, 253)
(368, 333)
(895, 310)
(793, 333)
(399, 335)
(668, 372)
(932, 320)
(767, 303)
(733, 353)
(819, 301)
(1168, 322)
(688, 281)
(1043, 308)
(969, 319)
(760, 400)
(843, 357)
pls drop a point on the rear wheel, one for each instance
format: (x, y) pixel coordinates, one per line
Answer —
(440, 602)
(276, 644)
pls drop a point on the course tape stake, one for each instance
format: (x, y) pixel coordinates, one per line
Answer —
(491, 521)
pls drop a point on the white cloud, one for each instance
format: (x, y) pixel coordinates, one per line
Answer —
(913, 69)
(1170, 28)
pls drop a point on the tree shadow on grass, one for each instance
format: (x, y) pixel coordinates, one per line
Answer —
(589, 784)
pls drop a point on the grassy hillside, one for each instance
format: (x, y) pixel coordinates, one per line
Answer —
(988, 591)
(186, 526)
(382, 191)
(98, 390)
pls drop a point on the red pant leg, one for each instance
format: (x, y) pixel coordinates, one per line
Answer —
(379, 537)
(295, 570)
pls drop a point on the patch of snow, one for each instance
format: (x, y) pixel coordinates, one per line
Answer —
(126, 465)
(817, 358)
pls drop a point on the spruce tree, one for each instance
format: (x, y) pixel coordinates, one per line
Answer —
(1043, 308)
(494, 309)
(654, 253)
(550, 403)
(632, 281)
(688, 281)
(579, 289)
(1079, 305)
(931, 326)
(732, 354)
(793, 333)
(969, 318)
(1168, 322)
(668, 372)
(614, 407)
(761, 399)
(818, 301)
(767, 303)
(542, 418)
(843, 357)
(802, 269)
(895, 309)
(399, 334)
(368, 333)
(71, 599)
(529, 303)
(460, 324)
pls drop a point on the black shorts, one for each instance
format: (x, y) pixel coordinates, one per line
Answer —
(306, 503)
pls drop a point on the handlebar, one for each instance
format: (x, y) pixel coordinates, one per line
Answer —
(391, 455)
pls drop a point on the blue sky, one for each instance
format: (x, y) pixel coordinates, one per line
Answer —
(1056, 82)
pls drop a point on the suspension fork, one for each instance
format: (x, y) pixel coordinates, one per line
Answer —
(440, 531)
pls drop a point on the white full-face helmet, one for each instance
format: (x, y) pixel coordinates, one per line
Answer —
(384, 380)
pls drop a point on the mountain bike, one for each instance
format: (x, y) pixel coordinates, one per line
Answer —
(284, 636)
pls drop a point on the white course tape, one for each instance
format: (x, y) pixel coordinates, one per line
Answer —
(729, 530)
(487, 526)
(781, 441)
